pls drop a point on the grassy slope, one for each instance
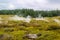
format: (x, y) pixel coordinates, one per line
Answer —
(15, 30)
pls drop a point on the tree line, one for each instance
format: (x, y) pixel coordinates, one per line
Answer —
(31, 12)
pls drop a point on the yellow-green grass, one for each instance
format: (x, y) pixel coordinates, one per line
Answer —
(17, 29)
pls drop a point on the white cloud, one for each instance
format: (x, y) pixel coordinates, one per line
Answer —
(33, 4)
(11, 6)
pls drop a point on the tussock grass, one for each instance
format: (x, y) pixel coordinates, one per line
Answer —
(15, 30)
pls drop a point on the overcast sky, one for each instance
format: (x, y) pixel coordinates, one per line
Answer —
(31, 4)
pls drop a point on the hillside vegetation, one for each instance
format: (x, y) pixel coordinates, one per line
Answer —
(15, 30)
(31, 12)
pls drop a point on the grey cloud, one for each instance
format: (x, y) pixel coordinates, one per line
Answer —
(54, 1)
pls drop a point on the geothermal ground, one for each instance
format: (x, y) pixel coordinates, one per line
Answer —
(13, 27)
